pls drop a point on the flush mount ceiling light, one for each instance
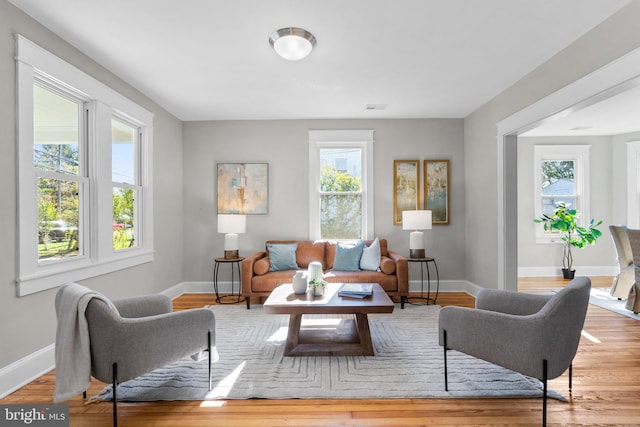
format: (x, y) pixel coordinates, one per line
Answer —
(292, 43)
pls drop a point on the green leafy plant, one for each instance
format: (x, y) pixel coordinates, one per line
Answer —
(563, 220)
(317, 282)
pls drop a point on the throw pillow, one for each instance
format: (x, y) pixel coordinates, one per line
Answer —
(348, 256)
(387, 266)
(370, 259)
(282, 256)
(261, 266)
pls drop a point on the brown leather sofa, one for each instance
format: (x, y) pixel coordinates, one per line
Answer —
(258, 281)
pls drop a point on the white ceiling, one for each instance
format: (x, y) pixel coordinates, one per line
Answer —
(209, 59)
(618, 114)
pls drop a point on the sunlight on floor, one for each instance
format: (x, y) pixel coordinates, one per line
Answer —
(279, 335)
(225, 385)
(590, 337)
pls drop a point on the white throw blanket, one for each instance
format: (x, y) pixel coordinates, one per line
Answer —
(73, 354)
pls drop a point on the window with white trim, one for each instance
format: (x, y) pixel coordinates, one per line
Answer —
(561, 174)
(341, 184)
(84, 174)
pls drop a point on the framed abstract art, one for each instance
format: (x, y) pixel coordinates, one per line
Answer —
(243, 188)
(436, 190)
(406, 187)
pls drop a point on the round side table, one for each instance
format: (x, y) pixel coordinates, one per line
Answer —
(425, 261)
(216, 266)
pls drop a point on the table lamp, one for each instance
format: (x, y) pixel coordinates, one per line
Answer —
(231, 225)
(416, 220)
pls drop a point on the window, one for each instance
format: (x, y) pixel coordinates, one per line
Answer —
(341, 185)
(58, 124)
(84, 179)
(126, 186)
(561, 175)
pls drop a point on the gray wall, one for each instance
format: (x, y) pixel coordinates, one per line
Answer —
(285, 146)
(28, 323)
(610, 40)
(531, 254)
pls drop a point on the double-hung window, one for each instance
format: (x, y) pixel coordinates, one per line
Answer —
(561, 174)
(341, 184)
(84, 174)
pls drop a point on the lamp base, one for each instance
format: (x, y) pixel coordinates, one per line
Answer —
(231, 254)
(416, 253)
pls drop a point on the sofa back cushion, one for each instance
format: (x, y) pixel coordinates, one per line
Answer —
(306, 252)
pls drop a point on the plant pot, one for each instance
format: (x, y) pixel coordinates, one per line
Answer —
(568, 274)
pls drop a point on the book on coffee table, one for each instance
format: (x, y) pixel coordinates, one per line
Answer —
(356, 290)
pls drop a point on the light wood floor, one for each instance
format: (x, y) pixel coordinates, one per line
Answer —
(606, 390)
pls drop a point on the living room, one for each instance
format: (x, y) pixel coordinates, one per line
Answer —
(185, 154)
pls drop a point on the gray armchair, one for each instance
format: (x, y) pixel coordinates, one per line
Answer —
(535, 335)
(624, 281)
(633, 299)
(133, 336)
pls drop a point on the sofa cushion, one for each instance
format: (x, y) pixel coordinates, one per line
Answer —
(348, 256)
(331, 251)
(387, 266)
(282, 256)
(261, 266)
(309, 251)
(370, 259)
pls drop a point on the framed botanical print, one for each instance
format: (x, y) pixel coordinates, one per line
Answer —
(406, 187)
(436, 190)
(243, 188)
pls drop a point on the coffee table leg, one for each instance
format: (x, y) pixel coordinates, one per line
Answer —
(293, 335)
(364, 333)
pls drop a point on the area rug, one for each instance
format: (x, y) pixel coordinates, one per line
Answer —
(408, 363)
(602, 298)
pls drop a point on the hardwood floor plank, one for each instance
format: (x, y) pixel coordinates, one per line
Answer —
(606, 389)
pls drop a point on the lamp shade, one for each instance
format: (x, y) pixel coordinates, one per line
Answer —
(232, 223)
(416, 220)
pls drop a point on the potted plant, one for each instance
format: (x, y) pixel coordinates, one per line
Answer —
(563, 220)
(317, 286)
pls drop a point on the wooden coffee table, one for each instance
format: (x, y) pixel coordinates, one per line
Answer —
(328, 336)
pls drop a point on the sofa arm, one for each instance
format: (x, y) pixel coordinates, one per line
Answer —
(247, 270)
(402, 272)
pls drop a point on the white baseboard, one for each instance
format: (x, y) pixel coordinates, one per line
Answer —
(27, 369)
(554, 271)
(445, 286)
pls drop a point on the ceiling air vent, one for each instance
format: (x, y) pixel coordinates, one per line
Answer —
(377, 106)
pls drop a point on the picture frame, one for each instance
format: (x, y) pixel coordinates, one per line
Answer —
(406, 187)
(243, 188)
(436, 189)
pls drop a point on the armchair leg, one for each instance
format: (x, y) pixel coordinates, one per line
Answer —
(248, 299)
(115, 398)
(209, 352)
(446, 378)
(570, 377)
(544, 395)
